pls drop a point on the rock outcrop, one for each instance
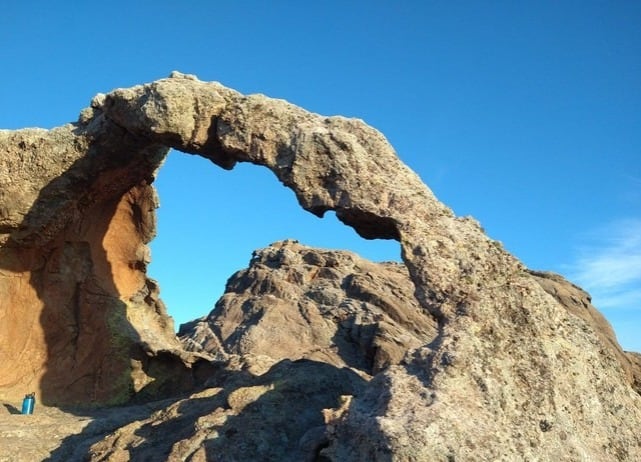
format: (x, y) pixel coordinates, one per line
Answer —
(279, 415)
(296, 302)
(510, 372)
(81, 321)
(261, 405)
(578, 302)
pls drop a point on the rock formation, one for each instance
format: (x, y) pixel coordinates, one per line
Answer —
(510, 372)
(296, 302)
(81, 322)
(261, 394)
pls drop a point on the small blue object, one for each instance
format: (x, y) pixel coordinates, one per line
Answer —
(28, 403)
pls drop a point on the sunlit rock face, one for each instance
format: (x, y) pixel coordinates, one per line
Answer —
(510, 373)
(297, 302)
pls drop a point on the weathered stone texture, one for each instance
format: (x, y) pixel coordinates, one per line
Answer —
(513, 372)
(296, 302)
(81, 321)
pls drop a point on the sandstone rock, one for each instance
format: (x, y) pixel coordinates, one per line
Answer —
(635, 363)
(376, 426)
(297, 302)
(512, 373)
(509, 370)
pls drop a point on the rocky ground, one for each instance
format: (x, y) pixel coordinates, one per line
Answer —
(280, 415)
(54, 434)
(299, 338)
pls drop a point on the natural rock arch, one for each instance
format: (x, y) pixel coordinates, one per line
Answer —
(245, 209)
(510, 362)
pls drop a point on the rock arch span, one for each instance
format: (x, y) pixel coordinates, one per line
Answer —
(76, 212)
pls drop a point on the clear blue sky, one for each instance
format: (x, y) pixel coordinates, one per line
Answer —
(526, 115)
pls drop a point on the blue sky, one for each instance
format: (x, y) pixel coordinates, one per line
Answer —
(525, 115)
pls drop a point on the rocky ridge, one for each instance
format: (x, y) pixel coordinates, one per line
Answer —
(511, 369)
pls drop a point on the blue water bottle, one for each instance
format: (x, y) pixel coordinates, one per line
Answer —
(28, 403)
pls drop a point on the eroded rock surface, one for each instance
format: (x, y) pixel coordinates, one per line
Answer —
(296, 302)
(275, 416)
(259, 404)
(511, 374)
(578, 302)
(81, 321)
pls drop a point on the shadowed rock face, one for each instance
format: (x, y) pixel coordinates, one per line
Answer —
(511, 372)
(77, 212)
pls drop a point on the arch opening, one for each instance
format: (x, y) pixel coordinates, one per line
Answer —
(210, 220)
